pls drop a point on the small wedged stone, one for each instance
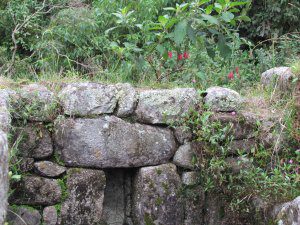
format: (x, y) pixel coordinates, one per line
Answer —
(33, 190)
(221, 99)
(280, 77)
(49, 169)
(26, 164)
(190, 178)
(35, 141)
(183, 134)
(84, 203)
(155, 196)
(87, 99)
(23, 215)
(3, 175)
(34, 102)
(110, 142)
(184, 156)
(50, 216)
(165, 106)
(127, 100)
(287, 213)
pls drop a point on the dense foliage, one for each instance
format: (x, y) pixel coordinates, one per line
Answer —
(152, 41)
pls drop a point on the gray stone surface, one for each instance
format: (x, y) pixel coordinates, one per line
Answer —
(165, 106)
(83, 99)
(183, 134)
(184, 156)
(127, 100)
(214, 203)
(288, 213)
(3, 175)
(155, 196)
(114, 197)
(23, 216)
(49, 169)
(35, 141)
(4, 111)
(50, 216)
(84, 203)
(33, 190)
(280, 77)
(244, 146)
(236, 164)
(34, 102)
(190, 178)
(241, 127)
(110, 142)
(221, 99)
(26, 164)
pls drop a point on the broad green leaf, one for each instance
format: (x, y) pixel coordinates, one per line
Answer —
(210, 19)
(180, 32)
(244, 18)
(171, 22)
(163, 20)
(224, 49)
(233, 4)
(209, 9)
(170, 9)
(227, 16)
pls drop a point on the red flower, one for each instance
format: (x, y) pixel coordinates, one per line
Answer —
(186, 55)
(170, 55)
(179, 57)
(237, 72)
(231, 75)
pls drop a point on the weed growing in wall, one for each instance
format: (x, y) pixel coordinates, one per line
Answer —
(262, 173)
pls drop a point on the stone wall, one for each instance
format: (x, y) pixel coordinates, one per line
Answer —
(104, 154)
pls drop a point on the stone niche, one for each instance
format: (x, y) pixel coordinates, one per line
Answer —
(95, 154)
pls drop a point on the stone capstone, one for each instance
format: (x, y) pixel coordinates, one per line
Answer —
(184, 156)
(33, 190)
(23, 215)
(3, 175)
(155, 196)
(50, 216)
(280, 77)
(110, 142)
(83, 99)
(84, 203)
(165, 106)
(35, 141)
(221, 99)
(49, 169)
(34, 102)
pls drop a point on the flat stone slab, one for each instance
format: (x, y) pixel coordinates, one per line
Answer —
(84, 204)
(165, 106)
(33, 190)
(49, 169)
(23, 215)
(155, 196)
(110, 142)
(84, 99)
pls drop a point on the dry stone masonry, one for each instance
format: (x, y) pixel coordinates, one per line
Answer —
(95, 154)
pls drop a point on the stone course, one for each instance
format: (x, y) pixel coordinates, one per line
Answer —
(104, 154)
